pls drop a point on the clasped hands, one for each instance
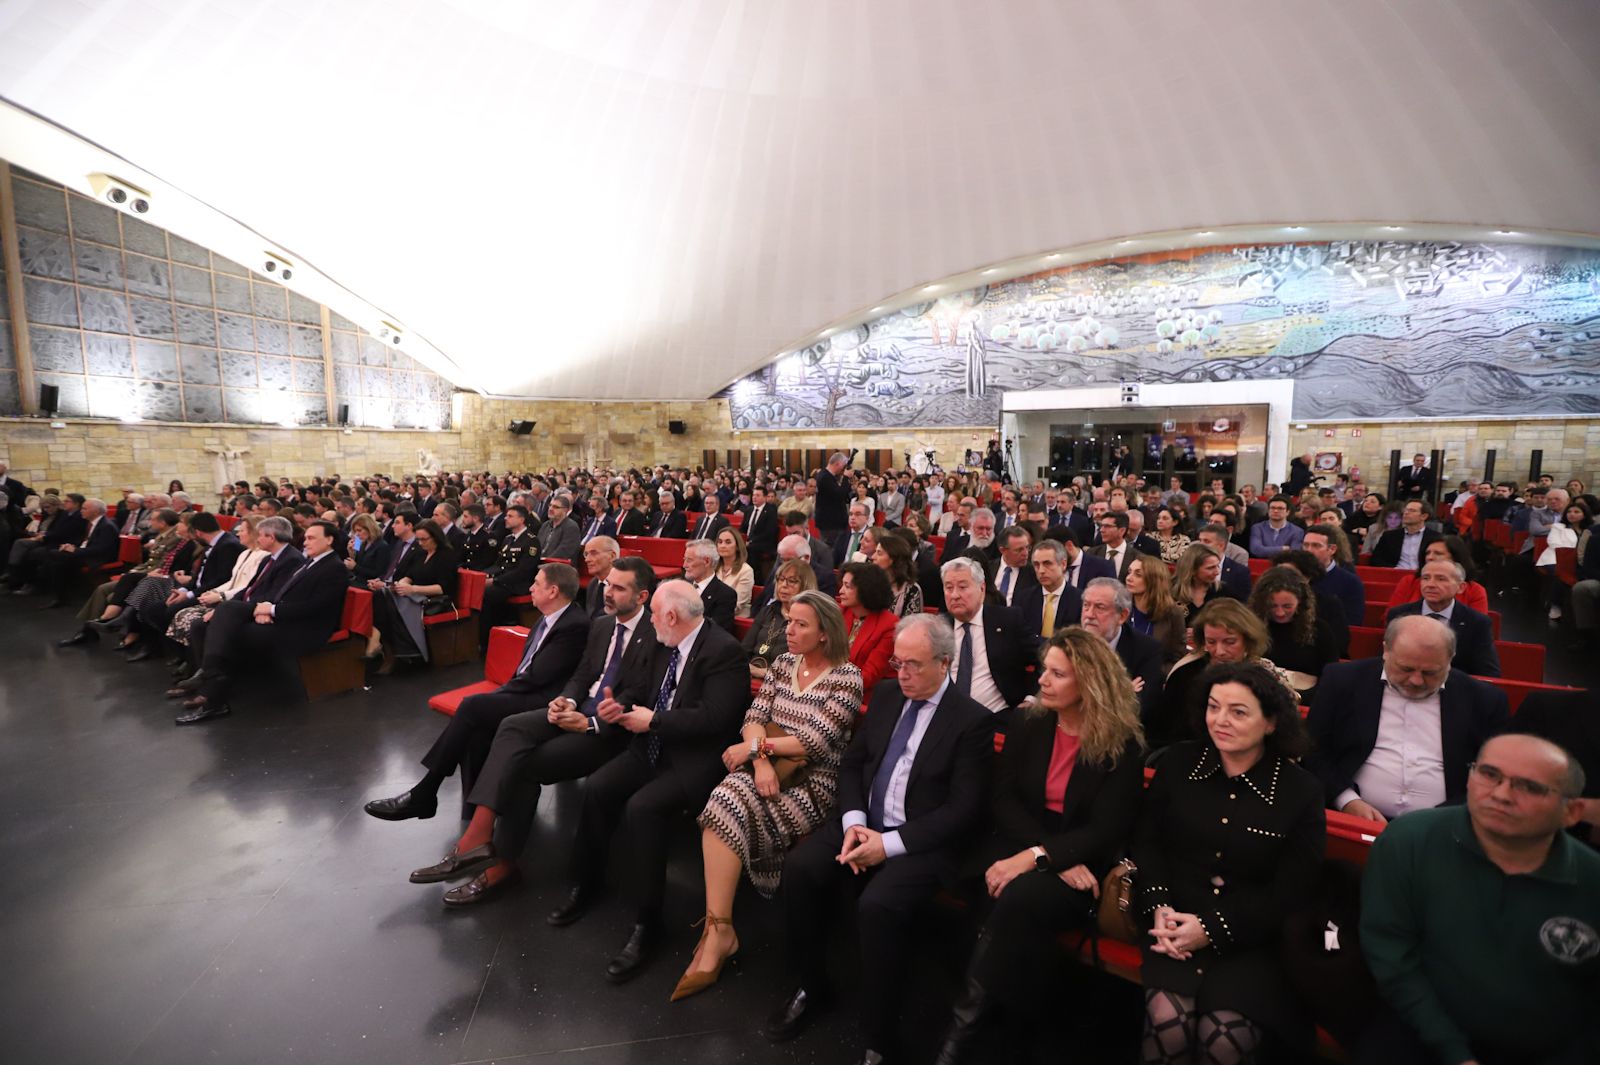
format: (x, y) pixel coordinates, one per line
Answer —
(612, 712)
(1177, 935)
(263, 614)
(862, 849)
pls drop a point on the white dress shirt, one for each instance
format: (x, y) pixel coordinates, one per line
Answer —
(1000, 581)
(983, 688)
(894, 799)
(1405, 770)
(629, 626)
(1410, 548)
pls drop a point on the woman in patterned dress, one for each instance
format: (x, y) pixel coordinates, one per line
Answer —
(813, 693)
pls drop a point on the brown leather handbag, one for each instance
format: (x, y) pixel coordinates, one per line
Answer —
(790, 769)
(1115, 915)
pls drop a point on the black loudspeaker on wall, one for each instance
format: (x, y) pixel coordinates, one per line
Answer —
(344, 414)
(522, 428)
(677, 428)
(49, 398)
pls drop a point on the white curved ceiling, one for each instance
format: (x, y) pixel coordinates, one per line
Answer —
(648, 199)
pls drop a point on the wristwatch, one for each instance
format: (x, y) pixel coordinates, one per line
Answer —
(1041, 860)
(755, 749)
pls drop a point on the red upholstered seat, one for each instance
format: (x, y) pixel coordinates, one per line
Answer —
(357, 616)
(505, 651)
(447, 703)
(468, 599)
(227, 521)
(741, 626)
(1365, 642)
(129, 550)
(1517, 690)
(1521, 661)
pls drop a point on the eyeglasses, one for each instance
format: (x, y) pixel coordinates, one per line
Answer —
(1492, 776)
(898, 664)
(788, 580)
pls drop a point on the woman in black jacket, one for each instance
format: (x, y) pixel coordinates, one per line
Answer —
(369, 552)
(1230, 841)
(398, 610)
(1300, 641)
(1064, 805)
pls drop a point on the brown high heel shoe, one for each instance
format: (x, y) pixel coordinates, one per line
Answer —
(692, 982)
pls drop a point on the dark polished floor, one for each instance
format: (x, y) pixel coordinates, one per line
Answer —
(216, 894)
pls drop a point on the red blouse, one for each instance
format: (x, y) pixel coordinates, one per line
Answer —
(1063, 756)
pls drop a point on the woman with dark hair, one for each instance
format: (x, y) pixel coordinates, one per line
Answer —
(1063, 805)
(1451, 548)
(422, 585)
(893, 556)
(1223, 631)
(1170, 535)
(1301, 642)
(1230, 841)
(174, 485)
(869, 621)
(1361, 520)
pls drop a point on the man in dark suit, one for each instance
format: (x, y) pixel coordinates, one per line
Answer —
(833, 497)
(631, 521)
(1236, 579)
(1011, 574)
(913, 794)
(707, 525)
(699, 566)
(995, 648)
(560, 536)
(1394, 734)
(1407, 546)
(1113, 546)
(478, 552)
(683, 711)
(1107, 606)
(455, 537)
(214, 569)
(1082, 567)
(1140, 540)
(957, 540)
(66, 527)
(424, 502)
(294, 611)
(96, 545)
(1416, 480)
(1321, 542)
(847, 543)
(798, 523)
(1050, 603)
(761, 531)
(549, 658)
(1441, 581)
(599, 555)
(548, 744)
(669, 523)
(15, 489)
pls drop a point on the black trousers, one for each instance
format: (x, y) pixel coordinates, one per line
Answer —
(467, 738)
(125, 586)
(24, 569)
(529, 752)
(1024, 925)
(887, 899)
(643, 800)
(234, 640)
(386, 619)
(57, 570)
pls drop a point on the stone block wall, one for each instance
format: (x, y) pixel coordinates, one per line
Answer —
(1571, 446)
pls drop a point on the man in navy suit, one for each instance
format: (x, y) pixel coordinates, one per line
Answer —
(1049, 604)
(761, 531)
(92, 548)
(1395, 734)
(1082, 567)
(913, 794)
(1441, 581)
(294, 610)
(707, 525)
(630, 520)
(1321, 543)
(1107, 606)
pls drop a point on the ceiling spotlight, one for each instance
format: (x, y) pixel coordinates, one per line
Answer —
(1294, 229)
(120, 194)
(1394, 229)
(1205, 233)
(1506, 232)
(1125, 243)
(389, 333)
(930, 288)
(1053, 255)
(277, 266)
(875, 310)
(991, 270)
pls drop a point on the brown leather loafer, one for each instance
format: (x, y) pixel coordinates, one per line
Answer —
(478, 889)
(456, 865)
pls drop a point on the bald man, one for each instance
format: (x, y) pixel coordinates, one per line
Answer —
(1481, 924)
(1394, 734)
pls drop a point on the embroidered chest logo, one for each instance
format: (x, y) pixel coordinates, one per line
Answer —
(1569, 940)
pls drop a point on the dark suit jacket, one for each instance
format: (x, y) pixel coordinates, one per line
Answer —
(426, 507)
(65, 529)
(841, 548)
(1029, 603)
(762, 535)
(702, 528)
(707, 706)
(217, 568)
(279, 571)
(632, 523)
(1475, 651)
(1344, 723)
(1142, 655)
(594, 598)
(1236, 579)
(672, 526)
(1089, 567)
(1386, 552)
(949, 783)
(1414, 482)
(308, 605)
(955, 542)
(1024, 580)
(720, 601)
(636, 656)
(832, 508)
(1098, 810)
(371, 562)
(553, 665)
(1012, 647)
(1100, 551)
(1147, 545)
(104, 544)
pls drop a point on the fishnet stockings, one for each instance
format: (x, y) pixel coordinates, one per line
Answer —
(1174, 1034)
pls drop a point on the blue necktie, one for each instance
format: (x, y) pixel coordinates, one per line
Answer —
(891, 757)
(1005, 584)
(533, 646)
(964, 661)
(669, 684)
(609, 677)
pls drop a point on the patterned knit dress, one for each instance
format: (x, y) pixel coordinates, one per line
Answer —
(761, 830)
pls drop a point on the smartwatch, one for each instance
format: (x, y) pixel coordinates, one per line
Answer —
(1041, 860)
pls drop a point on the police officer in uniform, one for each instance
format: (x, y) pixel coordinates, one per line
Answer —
(511, 575)
(482, 548)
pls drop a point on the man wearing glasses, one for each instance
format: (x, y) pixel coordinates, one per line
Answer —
(1395, 734)
(1482, 924)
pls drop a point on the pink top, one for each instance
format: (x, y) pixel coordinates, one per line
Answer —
(1062, 758)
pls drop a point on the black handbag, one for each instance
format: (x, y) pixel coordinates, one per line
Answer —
(437, 604)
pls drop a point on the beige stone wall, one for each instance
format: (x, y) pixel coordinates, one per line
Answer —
(1571, 446)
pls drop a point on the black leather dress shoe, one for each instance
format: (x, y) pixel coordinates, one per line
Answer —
(402, 807)
(84, 635)
(455, 865)
(478, 889)
(104, 625)
(635, 954)
(191, 683)
(791, 1016)
(141, 653)
(204, 712)
(576, 906)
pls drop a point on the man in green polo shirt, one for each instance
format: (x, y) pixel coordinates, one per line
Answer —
(1482, 925)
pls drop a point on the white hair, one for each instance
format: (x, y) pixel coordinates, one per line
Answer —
(679, 596)
(796, 546)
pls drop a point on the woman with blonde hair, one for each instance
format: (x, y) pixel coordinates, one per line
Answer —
(1198, 580)
(733, 569)
(1064, 803)
(783, 775)
(1154, 612)
(244, 571)
(1224, 630)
